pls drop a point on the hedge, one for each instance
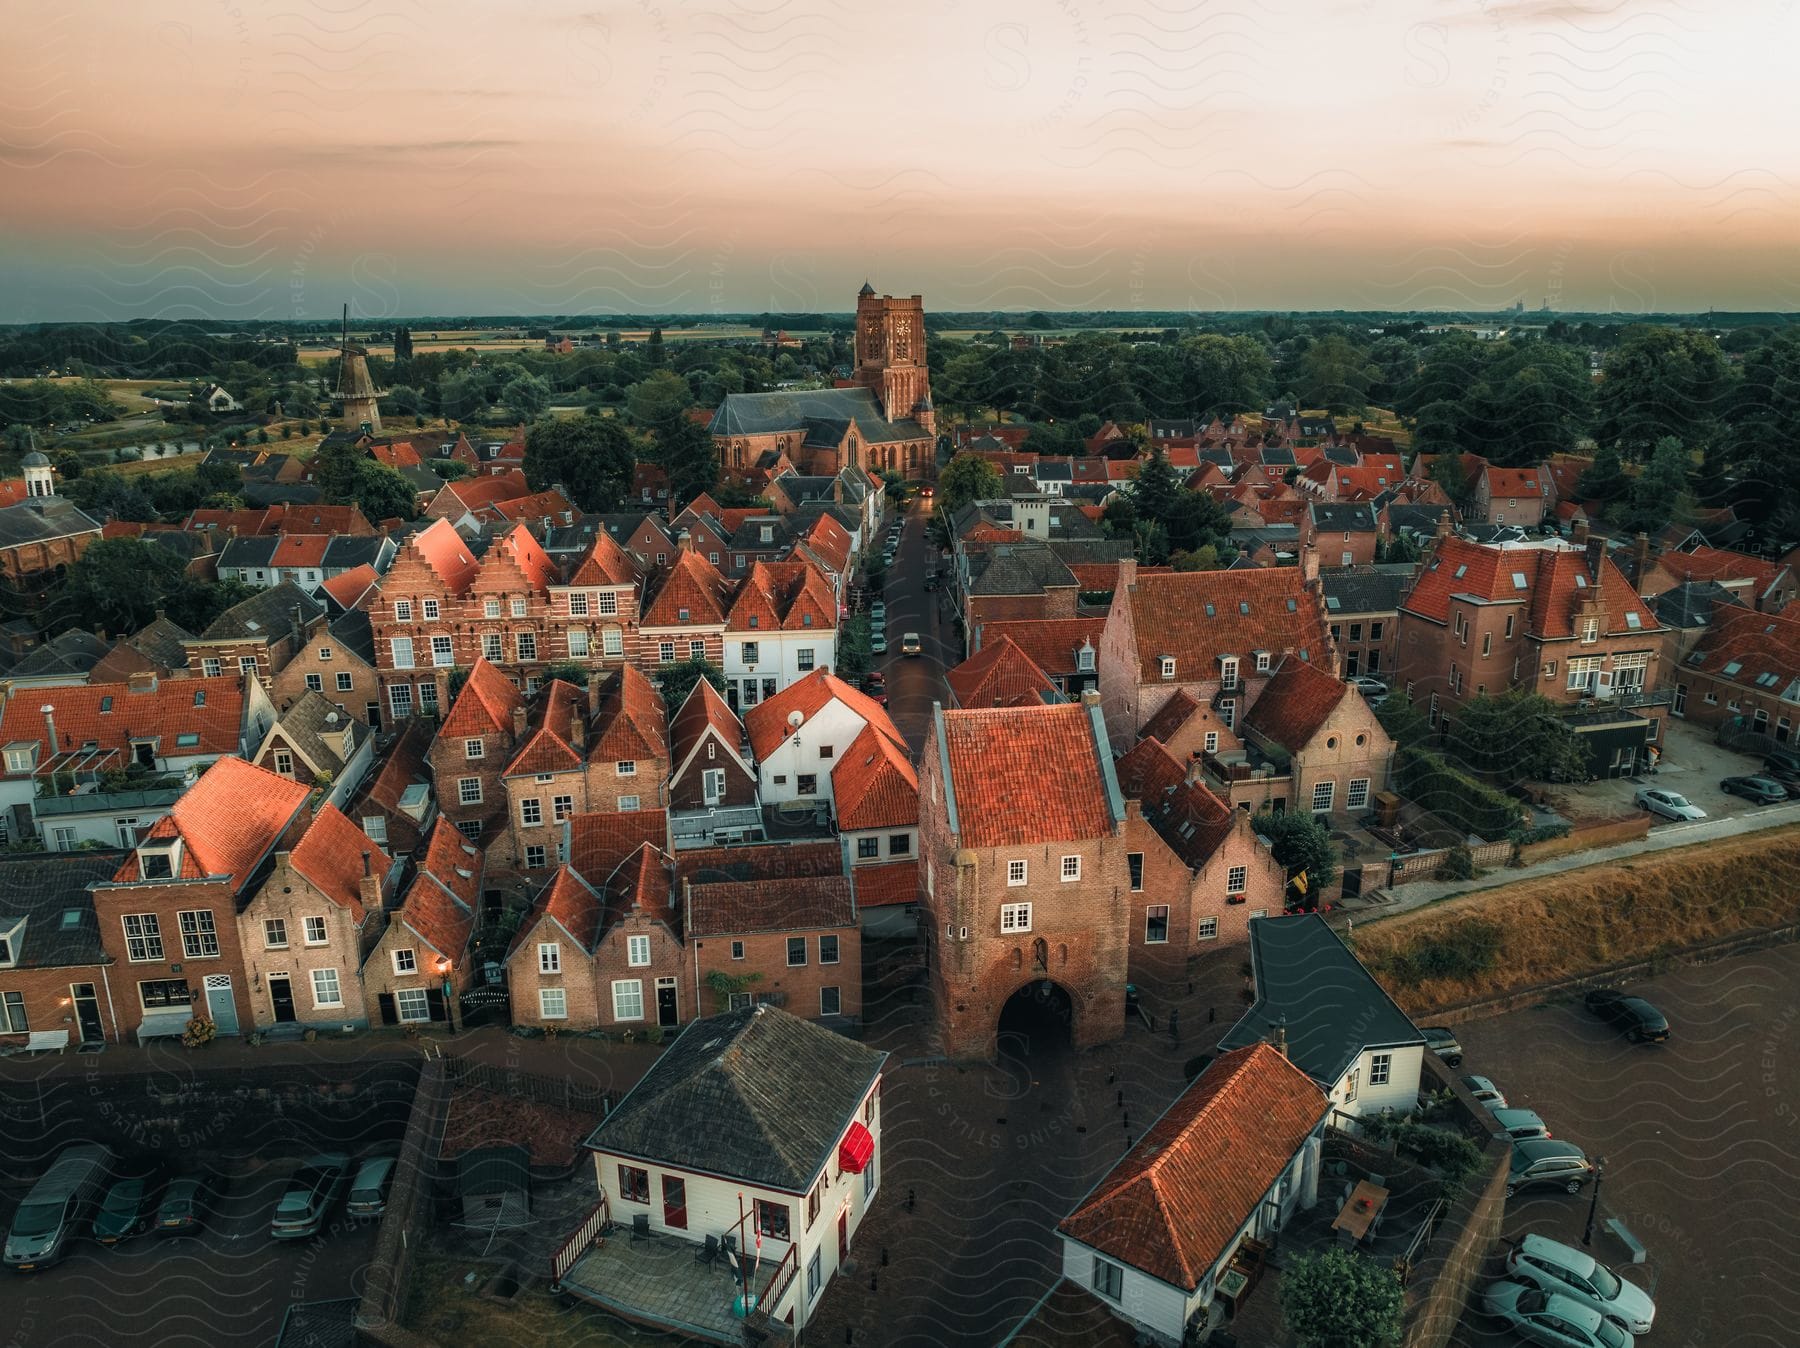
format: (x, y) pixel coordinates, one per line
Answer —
(1428, 780)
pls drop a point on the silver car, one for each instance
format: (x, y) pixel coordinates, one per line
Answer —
(1550, 1318)
(1562, 1269)
(1485, 1092)
(1518, 1124)
(1668, 804)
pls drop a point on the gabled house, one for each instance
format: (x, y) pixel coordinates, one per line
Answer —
(1311, 742)
(54, 974)
(1339, 1026)
(1521, 496)
(799, 735)
(397, 808)
(472, 749)
(1233, 1159)
(258, 635)
(159, 648)
(876, 792)
(551, 973)
(713, 795)
(308, 928)
(339, 664)
(1066, 649)
(317, 745)
(1344, 533)
(423, 959)
(782, 625)
(1742, 673)
(793, 1178)
(999, 674)
(684, 617)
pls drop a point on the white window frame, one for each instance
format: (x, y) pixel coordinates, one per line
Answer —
(464, 794)
(412, 1006)
(275, 933)
(1071, 868)
(1324, 795)
(406, 961)
(1356, 795)
(1015, 917)
(1207, 929)
(624, 989)
(310, 925)
(553, 997)
(531, 811)
(549, 957)
(474, 749)
(1381, 1067)
(637, 952)
(320, 977)
(1017, 873)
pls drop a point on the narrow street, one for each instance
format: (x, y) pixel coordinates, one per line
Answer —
(915, 682)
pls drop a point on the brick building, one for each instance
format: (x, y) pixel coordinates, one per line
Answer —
(319, 746)
(54, 973)
(792, 941)
(425, 947)
(1363, 606)
(258, 635)
(712, 781)
(396, 807)
(472, 749)
(339, 663)
(1311, 742)
(1344, 532)
(1023, 846)
(1743, 672)
(42, 537)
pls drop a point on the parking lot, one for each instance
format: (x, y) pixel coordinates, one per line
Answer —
(1693, 767)
(231, 1285)
(1700, 1137)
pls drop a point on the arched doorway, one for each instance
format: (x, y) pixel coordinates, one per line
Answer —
(1038, 1016)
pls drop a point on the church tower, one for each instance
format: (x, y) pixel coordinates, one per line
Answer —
(890, 355)
(355, 386)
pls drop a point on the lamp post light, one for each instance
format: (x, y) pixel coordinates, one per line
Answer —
(449, 995)
(1587, 1236)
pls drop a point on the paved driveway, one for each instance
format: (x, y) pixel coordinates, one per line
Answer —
(1701, 1138)
(1693, 766)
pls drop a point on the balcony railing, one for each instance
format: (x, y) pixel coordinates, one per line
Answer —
(579, 1240)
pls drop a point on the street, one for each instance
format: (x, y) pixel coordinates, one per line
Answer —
(915, 682)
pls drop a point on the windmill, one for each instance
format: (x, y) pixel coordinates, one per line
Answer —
(355, 386)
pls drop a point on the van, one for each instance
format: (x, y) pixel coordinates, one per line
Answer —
(58, 1205)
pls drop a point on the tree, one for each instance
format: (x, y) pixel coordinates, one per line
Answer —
(653, 348)
(194, 603)
(685, 450)
(676, 681)
(526, 397)
(382, 493)
(1447, 472)
(1301, 844)
(1222, 375)
(1338, 1299)
(1659, 495)
(1404, 722)
(1661, 382)
(403, 347)
(405, 400)
(966, 478)
(461, 395)
(1335, 374)
(1603, 479)
(590, 457)
(659, 400)
(121, 582)
(1516, 737)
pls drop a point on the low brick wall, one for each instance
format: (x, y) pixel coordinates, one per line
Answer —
(1446, 1270)
(1425, 865)
(1599, 833)
(408, 1215)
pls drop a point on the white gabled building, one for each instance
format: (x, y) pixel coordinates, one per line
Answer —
(753, 1127)
(800, 735)
(782, 626)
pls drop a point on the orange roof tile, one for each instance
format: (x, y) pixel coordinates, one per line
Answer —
(455, 863)
(705, 710)
(1516, 482)
(1171, 717)
(1053, 643)
(644, 882)
(599, 842)
(767, 722)
(529, 509)
(473, 493)
(445, 552)
(436, 917)
(1199, 616)
(570, 901)
(1295, 703)
(785, 596)
(547, 748)
(830, 542)
(1181, 1195)
(874, 785)
(395, 454)
(1027, 775)
(485, 704)
(883, 886)
(1565, 584)
(999, 675)
(330, 856)
(1722, 564)
(300, 550)
(692, 586)
(1185, 814)
(1764, 647)
(112, 715)
(787, 904)
(606, 563)
(230, 819)
(632, 721)
(519, 551)
(349, 587)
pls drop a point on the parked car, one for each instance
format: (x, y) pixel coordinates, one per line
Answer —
(130, 1204)
(1550, 1318)
(188, 1205)
(1668, 804)
(369, 1190)
(1787, 781)
(1442, 1041)
(1364, 683)
(1574, 1273)
(1783, 760)
(1642, 1022)
(878, 643)
(910, 644)
(1485, 1091)
(1518, 1124)
(878, 611)
(875, 685)
(1538, 1162)
(57, 1206)
(310, 1195)
(1761, 790)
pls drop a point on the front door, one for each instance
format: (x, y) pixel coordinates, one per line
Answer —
(281, 998)
(87, 1012)
(843, 1236)
(667, 1013)
(674, 1202)
(221, 1006)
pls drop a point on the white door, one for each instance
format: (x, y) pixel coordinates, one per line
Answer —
(712, 785)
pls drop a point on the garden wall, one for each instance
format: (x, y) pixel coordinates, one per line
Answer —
(408, 1214)
(1599, 833)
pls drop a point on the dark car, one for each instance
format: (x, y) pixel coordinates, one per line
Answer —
(1442, 1041)
(1787, 781)
(130, 1205)
(1782, 760)
(875, 685)
(1761, 790)
(1540, 1162)
(188, 1205)
(1642, 1022)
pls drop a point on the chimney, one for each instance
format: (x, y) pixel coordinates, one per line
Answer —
(1309, 564)
(50, 725)
(1090, 697)
(1640, 557)
(1580, 532)
(577, 727)
(519, 721)
(141, 681)
(1127, 573)
(1443, 525)
(593, 693)
(1279, 1042)
(684, 541)
(369, 886)
(1596, 549)
(299, 628)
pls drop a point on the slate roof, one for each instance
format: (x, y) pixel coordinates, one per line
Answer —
(733, 907)
(162, 642)
(1295, 703)
(1356, 517)
(1181, 1195)
(1199, 616)
(1017, 568)
(74, 652)
(808, 410)
(1022, 775)
(1417, 517)
(43, 519)
(1364, 589)
(1693, 604)
(50, 891)
(1185, 814)
(356, 634)
(306, 724)
(267, 615)
(756, 1095)
(1307, 979)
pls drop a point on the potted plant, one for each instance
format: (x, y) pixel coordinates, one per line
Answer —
(199, 1032)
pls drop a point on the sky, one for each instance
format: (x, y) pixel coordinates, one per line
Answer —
(249, 159)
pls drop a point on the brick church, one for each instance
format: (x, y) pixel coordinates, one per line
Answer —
(882, 420)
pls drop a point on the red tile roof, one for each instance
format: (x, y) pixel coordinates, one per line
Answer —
(644, 883)
(1027, 775)
(349, 587)
(1565, 583)
(454, 862)
(692, 585)
(789, 904)
(229, 820)
(883, 886)
(473, 493)
(1171, 716)
(1721, 564)
(1554, 583)
(830, 543)
(1516, 482)
(436, 917)
(599, 842)
(1764, 647)
(1199, 616)
(111, 715)
(874, 785)
(1295, 703)
(524, 552)
(760, 861)
(485, 704)
(395, 454)
(767, 722)
(330, 857)
(445, 552)
(705, 709)
(1053, 643)
(632, 722)
(529, 509)
(1184, 1191)
(547, 747)
(606, 564)
(783, 596)
(999, 675)
(1185, 814)
(570, 901)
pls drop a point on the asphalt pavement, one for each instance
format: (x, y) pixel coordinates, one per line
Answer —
(915, 682)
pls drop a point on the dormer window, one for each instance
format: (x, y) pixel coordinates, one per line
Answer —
(1262, 662)
(160, 860)
(11, 941)
(21, 756)
(1084, 659)
(1168, 666)
(754, 620)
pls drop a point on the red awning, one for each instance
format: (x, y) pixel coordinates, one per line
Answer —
(856, 1150)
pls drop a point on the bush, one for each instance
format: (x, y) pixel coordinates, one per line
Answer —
(1458, 864)
(1461, 951)
(1430, 781)
(1524, 837)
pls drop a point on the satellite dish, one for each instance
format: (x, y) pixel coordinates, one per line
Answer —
(795, 717)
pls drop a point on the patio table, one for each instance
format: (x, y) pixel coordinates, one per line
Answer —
(1360, 1210)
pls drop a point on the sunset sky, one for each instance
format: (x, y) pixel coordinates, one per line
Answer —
(238, 159)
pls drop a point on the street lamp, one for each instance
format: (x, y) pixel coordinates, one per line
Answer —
(449, 994)
(1587, 1236)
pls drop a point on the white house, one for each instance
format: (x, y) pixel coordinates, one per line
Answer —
(782, 627)
(799, 736)
(1340, 1026)
(1232, 1159)
(218, 400)
(755, 1128)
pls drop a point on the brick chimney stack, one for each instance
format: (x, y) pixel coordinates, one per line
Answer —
(369, 885)
(519, 721)
(1579, 534)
